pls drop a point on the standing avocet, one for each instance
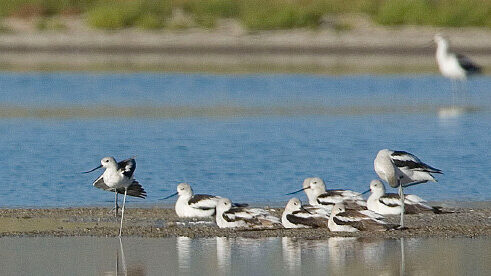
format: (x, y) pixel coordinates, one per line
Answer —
(453, 66)
(118, 178)
(402, 169)
(228, 216)
(390, 204)
(315, 189)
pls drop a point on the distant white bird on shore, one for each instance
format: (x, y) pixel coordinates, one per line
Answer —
(342, 220)
(453, 66)
(390, 204)
(296, 216)
(402, 169)
(315, 189)
(228, 216)
(118, 178)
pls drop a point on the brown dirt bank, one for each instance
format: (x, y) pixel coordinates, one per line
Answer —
(162, 222)
(364, 49)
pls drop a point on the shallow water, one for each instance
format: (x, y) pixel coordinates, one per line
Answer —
(330, 127)
(240, 256)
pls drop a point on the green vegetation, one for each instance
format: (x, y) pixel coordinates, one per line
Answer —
(252, 14)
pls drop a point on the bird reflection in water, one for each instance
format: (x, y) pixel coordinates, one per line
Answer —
(223, 255)
(183, 245)
(292, 254)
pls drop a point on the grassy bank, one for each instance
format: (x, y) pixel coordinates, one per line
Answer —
(251, 14)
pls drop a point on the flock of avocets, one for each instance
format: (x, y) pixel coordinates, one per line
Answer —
(337, 210)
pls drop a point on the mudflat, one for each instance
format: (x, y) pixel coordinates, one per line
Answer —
(163, 222)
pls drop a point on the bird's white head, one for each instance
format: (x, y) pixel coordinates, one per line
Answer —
(317, 185)
(377, 187)
(108, 162)
(440, 41)
(293, 205)
(223, 205)
(337, 208)
(184, 189)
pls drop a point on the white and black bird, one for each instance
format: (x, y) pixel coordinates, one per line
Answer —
(228, 216)
(342, 220)
(297, 216)
(189, 205)
(315, 189)
(453, 66)
(118, 178)
(390, 204)
(402, 169)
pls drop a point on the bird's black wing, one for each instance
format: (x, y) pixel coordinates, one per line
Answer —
(468, 65)
(307, 221)
(405, 159)
(135, 190)
(127, 167)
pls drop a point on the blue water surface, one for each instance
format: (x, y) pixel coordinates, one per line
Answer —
(255, 159)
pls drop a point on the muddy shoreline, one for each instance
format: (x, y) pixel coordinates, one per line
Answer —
(365, 49)
(162, 222)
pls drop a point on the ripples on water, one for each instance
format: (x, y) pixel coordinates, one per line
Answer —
(206, 130)
(240, 256)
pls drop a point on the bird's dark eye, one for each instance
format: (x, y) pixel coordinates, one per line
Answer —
(295, 203)
(106, 161)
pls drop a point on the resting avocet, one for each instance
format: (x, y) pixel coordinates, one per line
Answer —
(342, 220)
(402, 169)
(315, 189)
(118, 178)
(189, 205)
(390, 204)
(296, 216)
(228, 216)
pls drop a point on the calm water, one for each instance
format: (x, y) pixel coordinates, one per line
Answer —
(223, 256)
(248, 158)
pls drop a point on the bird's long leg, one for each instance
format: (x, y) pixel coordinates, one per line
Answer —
(116, 207)
(401, 195)
(454, 93)
(122, 211)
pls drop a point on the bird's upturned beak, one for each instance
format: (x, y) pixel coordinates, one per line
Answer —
(303, 209)
(93, 169)
(174, 194)
(367, 191)
(292, 193)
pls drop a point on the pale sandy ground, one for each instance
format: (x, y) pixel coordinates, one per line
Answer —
(162, 222)
(364, 49)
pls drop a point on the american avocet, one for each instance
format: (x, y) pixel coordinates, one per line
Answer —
(296, 216)
(118, 178)
(342, 220)
(453, 66)
(189, 205)
(228, 216)
(390, 204)
(402, 169)
(315, 189)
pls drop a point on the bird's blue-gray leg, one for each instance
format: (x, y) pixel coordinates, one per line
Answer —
(122, 212)
(403, 209)
(454, 93)
(116, 207)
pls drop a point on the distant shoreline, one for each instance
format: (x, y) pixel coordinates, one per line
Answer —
(364, 50)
